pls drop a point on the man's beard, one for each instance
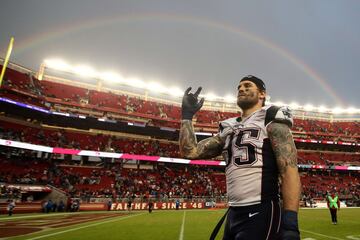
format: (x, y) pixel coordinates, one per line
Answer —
(247, 103)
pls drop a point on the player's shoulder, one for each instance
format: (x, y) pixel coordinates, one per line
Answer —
(230, 122)
(233, 120)
(279, 114)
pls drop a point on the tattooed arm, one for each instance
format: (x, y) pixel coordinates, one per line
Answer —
(286, 156)
(189, 148)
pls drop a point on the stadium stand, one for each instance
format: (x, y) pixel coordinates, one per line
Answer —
(120, 179)
(75, 100)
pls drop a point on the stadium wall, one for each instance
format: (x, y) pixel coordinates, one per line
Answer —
(36, 207)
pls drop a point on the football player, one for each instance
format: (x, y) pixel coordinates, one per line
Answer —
(258, 148)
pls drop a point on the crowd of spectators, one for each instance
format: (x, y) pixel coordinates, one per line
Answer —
(108, 105)
(161, 182)
(328, 159)
(76, 140)
(317, 183)
(85, 182)
(164, 182)
(8, 193)
(327, 131)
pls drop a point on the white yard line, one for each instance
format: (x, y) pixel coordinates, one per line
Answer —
(181, 237)
(321, 235)
(90, 225)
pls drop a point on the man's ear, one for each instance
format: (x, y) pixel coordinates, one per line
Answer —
(262, 95)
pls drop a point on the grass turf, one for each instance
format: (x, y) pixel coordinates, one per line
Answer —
(315, 224)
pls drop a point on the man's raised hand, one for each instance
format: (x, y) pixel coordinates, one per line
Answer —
(191, 104)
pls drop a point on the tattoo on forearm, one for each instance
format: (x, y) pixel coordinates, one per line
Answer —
(283, 145)
(189, 148)
(187, 138)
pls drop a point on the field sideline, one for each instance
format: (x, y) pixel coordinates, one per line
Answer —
(315, 224)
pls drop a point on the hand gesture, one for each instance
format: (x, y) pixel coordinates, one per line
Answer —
(191, 104)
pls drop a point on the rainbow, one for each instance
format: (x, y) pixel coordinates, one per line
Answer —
(39, 39)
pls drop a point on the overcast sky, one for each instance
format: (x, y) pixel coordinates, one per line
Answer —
(306, 51)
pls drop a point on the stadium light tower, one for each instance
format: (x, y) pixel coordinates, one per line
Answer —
(111, 77)
(57, 64)
(210, 96)
(156, 87)
(309, 107)
(230, 98)
(85, 71)
(352, 110)
(322, 109)
(53, 63)
(337, 110)
(294, 105)
(135, 82)
(176, 91)
(41, 71)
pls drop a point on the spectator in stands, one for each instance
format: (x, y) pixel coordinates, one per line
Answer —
(49, 206)
(129, 203)
(61, 206)
(333, 204)
(75, 206)
(177, 204)
(43, 206)
(109, 204)
(11, 206)
(30, 198)
(150, 206)
(54, 206)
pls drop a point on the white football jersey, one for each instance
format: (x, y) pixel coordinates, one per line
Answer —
(251, 169)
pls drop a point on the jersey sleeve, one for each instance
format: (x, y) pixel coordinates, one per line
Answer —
(279, 114)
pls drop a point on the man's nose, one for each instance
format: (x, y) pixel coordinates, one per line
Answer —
(241, 89)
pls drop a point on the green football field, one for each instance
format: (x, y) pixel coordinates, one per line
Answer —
(314, 224)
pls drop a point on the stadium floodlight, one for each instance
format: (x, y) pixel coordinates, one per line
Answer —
(176, 91)
(337, 110)
(294, 105)
(57, 64)
(85, 71)
(111, 77)
(309, 107)
(229, 98)
(352, 110)
(155, 87)
(322, 109)
(210, 96)
(135, 82)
